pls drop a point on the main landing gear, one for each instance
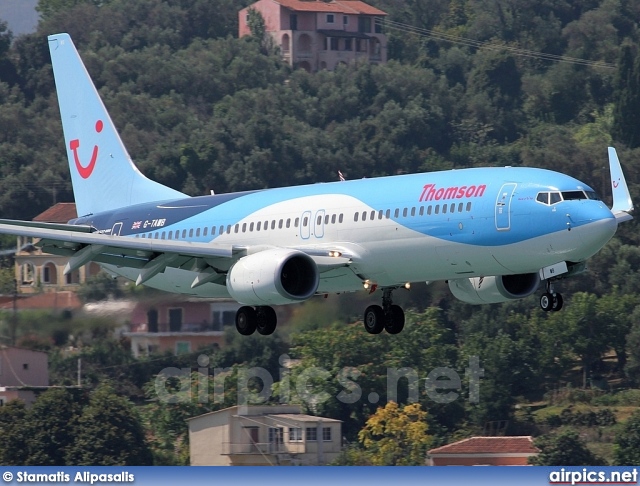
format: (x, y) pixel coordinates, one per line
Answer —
(389, 317)
(551, 300)
(263, 319)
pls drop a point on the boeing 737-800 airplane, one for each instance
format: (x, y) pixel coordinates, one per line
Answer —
(494, 234)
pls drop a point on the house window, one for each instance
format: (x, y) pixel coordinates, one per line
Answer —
(345, 20)
(295, 434)
(293, 22)
(330, 18)
(334, 43)
(25, 366)
(312, 434)
(377, 25)
(326, 433)
(183, 347)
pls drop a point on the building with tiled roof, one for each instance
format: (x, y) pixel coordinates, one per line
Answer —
(37, 271)
(484, 451)
(317, 34)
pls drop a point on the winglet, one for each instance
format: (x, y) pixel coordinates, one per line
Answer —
(622, 204)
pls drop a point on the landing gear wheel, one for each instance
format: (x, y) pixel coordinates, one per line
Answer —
(246, 320)
(374, 319)
(546, 302)
(395, 320)
(557, 302)
(266, 320)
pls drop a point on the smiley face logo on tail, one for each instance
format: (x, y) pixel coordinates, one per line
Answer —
(85, 172)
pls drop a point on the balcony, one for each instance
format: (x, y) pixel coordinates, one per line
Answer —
(231, 448)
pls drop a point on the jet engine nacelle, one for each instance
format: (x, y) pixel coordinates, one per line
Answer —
(277, 276)
(493, 290)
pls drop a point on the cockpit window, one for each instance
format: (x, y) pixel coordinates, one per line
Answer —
(592, 195)
(555, 197)
(573, 195)
(543, 197)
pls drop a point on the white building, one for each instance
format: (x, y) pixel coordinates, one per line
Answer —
(263, 436)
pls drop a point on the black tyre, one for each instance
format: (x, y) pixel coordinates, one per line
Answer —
(546, 302)
(558, 302)
(395, 320)
(246, 320)
(374, 319)
(267, 320)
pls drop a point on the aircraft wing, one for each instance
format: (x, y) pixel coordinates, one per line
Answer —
(82, 244)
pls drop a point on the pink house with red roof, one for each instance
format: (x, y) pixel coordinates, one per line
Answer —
(316, 34)
(484, 451)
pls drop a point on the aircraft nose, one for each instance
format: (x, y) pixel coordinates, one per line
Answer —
(597, 228)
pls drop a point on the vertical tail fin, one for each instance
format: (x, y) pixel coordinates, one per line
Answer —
(622, 203)
(102, 173)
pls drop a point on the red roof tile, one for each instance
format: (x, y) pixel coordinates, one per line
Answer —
(59, 213)
(336, 6)
(489, 445)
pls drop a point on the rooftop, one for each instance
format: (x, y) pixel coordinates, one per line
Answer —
(489, 445)
(336, 6)
(58, 213)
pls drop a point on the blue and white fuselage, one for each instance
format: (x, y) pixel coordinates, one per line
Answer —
(493, 233)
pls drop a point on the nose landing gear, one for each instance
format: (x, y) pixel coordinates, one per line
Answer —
(551, 300)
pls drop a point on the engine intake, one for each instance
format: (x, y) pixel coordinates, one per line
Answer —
(493, 290)
(277, 276)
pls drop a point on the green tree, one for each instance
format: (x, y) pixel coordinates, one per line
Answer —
(50, 423)
(565, 448)
(109, 433)
(395, 436)
(626, 114)
(13, 450)
(627, 442)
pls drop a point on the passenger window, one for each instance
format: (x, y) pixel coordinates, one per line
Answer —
(273, 224)
(155, 236)
(396, 213)
(305, 221)
(413, 211)
(258, 225)
(164, 233)
(288, 222)
(387, 213)
(333, 220)
(280, 224)
(444, 209)
(373, 215)
(437, 209)
(228, 229)
(356, 216)
(251, 227)
(206, 229)
(266, 225)
(460, 207)
(404, 212)
(297, 222)
(237, 228)
(170, 235)
(244, 227)
(469, 206)
(429, 210)
(421, 210)
(191, 233)
(340, 219)
(184, 234)
(364, 215)
(452, 209)
(380, 214)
